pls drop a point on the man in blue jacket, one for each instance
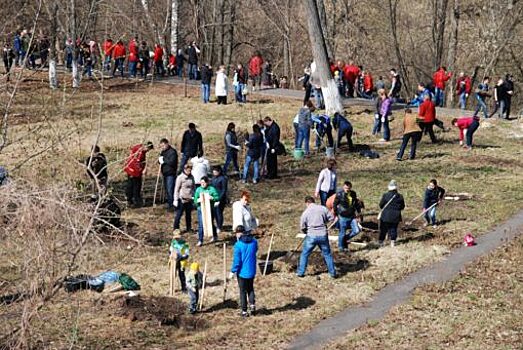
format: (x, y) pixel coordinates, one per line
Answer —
(344, 128)
(244, 266)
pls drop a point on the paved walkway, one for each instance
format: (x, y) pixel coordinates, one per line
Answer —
(400, 291)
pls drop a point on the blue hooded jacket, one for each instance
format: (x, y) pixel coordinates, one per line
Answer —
(244, 261)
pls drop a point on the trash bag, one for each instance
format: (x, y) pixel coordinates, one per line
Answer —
(96, 284)
(75, 283)
(128, 283)
(109, 277)
(369, 154)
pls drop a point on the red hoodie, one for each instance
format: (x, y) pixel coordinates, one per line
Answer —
(135, 163)
(440, 78)
(133, 51)
(255, 65)
(119, 51)
(158, 53)
(108, 47)
(368, 84)
(427, 111)
(463, 85)
(351, 73)
(464, 123)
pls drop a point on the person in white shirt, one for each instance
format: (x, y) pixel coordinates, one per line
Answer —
(242, 213)
(221, 86)
(200, 168)
(327, 182)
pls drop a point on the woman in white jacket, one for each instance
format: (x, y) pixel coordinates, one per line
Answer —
(327, 182)
(242, 214)
(221, 86)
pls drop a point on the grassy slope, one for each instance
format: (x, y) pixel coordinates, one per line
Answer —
(289, 306)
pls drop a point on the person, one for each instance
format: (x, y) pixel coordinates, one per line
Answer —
(242, 214)
(194, 284)
(136, 168)
(244, 267)
(192, 52)
(427, 113)
(344, 128)
(231, 149)
(87, 60)
(322, 126)
(306, 84)
(158, 60)
(108, 48)
(391, 205)
(395, 87)
(272, 135)
(220, 88)
(500, 98)
(482, 93)
(17, 47)
(169, 164)
(411, 132)
(134, 57)
(254, 151)
(304, 126)
(119, 54)
(96, 165)
(350, 75)
(327, 182)
(200, 169)
(240, 82)
(313, 223)
(180, 60)
(171, 65)
(385, 112)
(255, 69)
(467, 125)
(8, 56)
(380, 83)
(347, 208)
(220, 182)
(419, 98)
(192, 145)
(315, 82)
(206, 82)
(264, 148)
(434, 194)
(463, 88)
(179, 253)
(207, 188)
(509, 87)
(267, 75)
(376, 128)
(145, 58)
(439, 79)
(368, 85)
(183, 197)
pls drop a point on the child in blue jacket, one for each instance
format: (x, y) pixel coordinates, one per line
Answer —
(433, 196)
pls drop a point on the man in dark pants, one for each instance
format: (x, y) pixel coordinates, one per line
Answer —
(272, 135)
(391, 205)
(135, 167)
(509, 87)
(183, 197)
(193, 51)
(96, 165)
(427, 113)
(192, 145)
(169, 163)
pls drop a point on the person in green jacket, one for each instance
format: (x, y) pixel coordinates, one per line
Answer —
(179, 252)
(205, 187)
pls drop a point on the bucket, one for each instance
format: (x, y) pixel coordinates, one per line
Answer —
(329, 152)
(298, 154)
(261, 265)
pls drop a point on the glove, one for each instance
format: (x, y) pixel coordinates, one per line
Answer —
(231, 275)
(160, 160)
(461, 143)
(175, 203)
(217, 204)
(273, 151)
(237, 147)
(267, 145)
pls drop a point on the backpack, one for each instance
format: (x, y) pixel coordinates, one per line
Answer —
(128, 283)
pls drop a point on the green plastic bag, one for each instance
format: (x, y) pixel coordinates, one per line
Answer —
(128, 283)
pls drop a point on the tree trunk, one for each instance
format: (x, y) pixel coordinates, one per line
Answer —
(174, 26)
(330, 91)
(453, 48)
(73, 31)
(145, 5)
(394, 31)
(323, 20)
(53, 80)
(230, 35)
(221, 33)
(438, 29)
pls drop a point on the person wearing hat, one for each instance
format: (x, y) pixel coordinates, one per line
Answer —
(136, 168)
(244, 267)
(179, 253)
(194, 283)
(192, 145)
(183, 197)
(391, 205)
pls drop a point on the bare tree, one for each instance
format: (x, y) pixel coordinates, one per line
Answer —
(53, 79)
(453, 48)
(439, 21)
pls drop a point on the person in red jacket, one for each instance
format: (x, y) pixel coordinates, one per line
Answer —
(368, 85)
(108, 47)
(427, 113)
(439, 79)
(350, 75)
(135, 168)
(119, 54)
(158, 60)
(463, 88)
(171, 66)
(133, 57)
(255, 69)
(467, 127)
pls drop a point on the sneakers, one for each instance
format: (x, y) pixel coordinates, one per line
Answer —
(218, 231)
(254, 182)
(199, 244)
(426, 224)
(434, 226)
(243, 181)
(393, 243)
(399, 159)
(244, 314)
(252, 309)
(192, 311)
(213, 240)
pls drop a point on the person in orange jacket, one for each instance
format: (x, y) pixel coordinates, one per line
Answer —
(467, 127)
(136, 168)
(119, 54)
(158, 60)
(133, 57)
(439, 79)
(427, 113)
(255, 69)
(108, 47)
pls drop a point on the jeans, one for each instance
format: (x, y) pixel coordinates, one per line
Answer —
(246, 286)
(179, 71)
(347, 132)
(390, 228)
(482, 106)
(309, 244)
(501, 106)
(304, 136)
(206, 92)
(439, 97)
(183, 161)
(463, 100)
(193, 71)
(256, 165)
(88, 69)
(325, 195)
(218, 214)
(296, 134)
(134, 190)
(180, 209)
(428, 128)
(319, 98)
(344, 224)
(168, 182)
(107, 63)
(200, 224)
(470, 132)
(376, 129)
(193, 296)
(430, 216)
(322, 132)
(231, 156)
(413, 137)
(160, 70)
(238, 93)
(386, 128)
(132, 69)
(118, 64)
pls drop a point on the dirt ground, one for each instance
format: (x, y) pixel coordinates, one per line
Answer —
(57, 129)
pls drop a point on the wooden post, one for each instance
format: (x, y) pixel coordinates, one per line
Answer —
(224, 271)
(203, 285)
(171, 277)
(156, 187)
(268, 255)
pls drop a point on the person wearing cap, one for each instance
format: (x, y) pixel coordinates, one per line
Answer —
(136, 168)
(244, 267)
(313, 223)
(391, 205)
(169, 165)
(192, 145)
(179, 253)
(206, 187)
(194, 283)
(183, 197)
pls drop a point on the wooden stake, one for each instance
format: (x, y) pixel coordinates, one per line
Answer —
(224, 271)
(203, 285)
(171, 279)
(156, 187)
(268, 255)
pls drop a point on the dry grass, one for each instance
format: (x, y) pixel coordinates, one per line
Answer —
(288, 306)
